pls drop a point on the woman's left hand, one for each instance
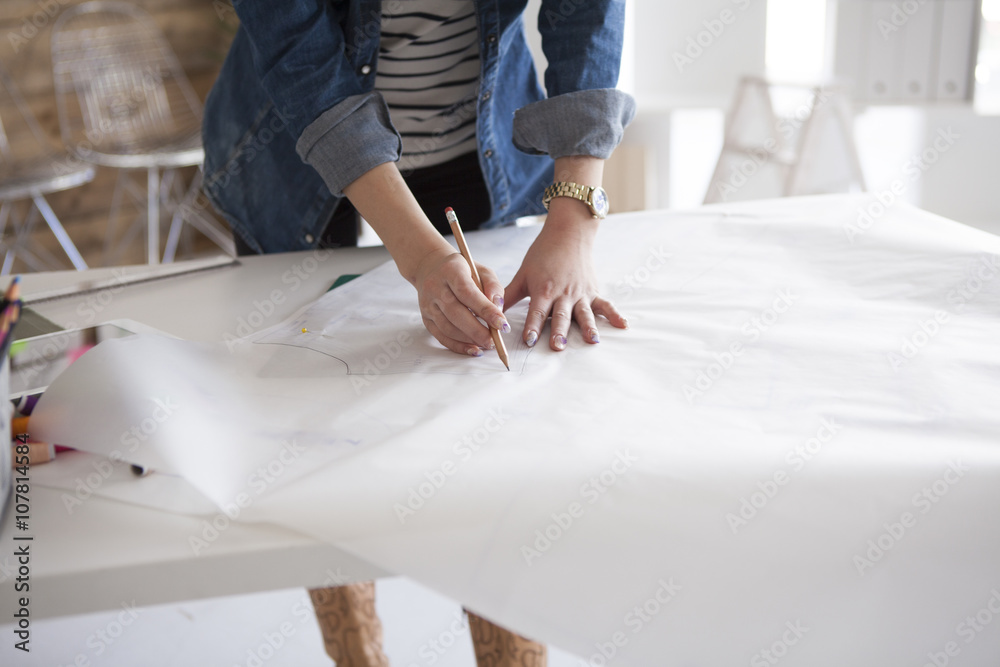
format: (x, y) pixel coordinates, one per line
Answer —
(557, 275)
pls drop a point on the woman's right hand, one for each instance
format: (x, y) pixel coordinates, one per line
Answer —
(448, 296)
(450, 301)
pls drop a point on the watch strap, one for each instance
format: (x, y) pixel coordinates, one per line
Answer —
(567, 189)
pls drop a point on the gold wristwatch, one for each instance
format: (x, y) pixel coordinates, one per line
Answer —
(594, 197)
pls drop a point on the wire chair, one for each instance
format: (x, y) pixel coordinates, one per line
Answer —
(30, 169)
(124, 101)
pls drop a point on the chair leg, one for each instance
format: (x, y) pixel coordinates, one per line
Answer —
(187, 212)
(60, 232)
(496, 647)
(352, 631)
(113, 213)
(173, 238)
(176, 224)
(153, 216)
(18, 232)
(176, 199)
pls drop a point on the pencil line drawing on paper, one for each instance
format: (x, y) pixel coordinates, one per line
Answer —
(371, 325)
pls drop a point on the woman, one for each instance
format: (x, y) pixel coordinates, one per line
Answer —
(397, 109)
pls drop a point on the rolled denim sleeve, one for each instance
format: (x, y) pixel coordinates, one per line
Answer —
(586, 122)
(323, 83)
(350, 139)
(584, 113)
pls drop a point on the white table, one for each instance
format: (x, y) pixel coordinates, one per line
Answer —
(105, 551)
(854, 356)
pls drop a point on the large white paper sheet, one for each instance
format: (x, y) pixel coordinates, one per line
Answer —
(791, 457)
(371, 327)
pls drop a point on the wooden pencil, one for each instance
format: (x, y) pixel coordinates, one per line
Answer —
(456, 229)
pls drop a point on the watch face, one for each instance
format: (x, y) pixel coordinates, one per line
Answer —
(600, 200)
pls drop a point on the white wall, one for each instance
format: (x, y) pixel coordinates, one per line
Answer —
(965, 183)
(962, 184)
(694, 52)
(688, 55)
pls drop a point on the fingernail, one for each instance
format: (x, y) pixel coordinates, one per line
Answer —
(501, 324)
(474, 352)
(559, 342)
(625, 322)
(498, 300)
(491, 346)
(594, 336)
(532, 339)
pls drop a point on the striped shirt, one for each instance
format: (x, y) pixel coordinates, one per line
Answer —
(428, 73)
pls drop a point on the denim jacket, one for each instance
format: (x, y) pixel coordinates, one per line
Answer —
(294, 117)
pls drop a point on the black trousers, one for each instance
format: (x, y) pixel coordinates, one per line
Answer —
(458, 183)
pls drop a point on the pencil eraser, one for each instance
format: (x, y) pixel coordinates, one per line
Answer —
(449, 210)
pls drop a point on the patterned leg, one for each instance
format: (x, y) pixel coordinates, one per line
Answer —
(496, 647)
(352, 632)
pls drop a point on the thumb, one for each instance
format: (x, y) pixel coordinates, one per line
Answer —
(515, 291)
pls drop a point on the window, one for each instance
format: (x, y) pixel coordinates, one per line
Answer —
(988, 66)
